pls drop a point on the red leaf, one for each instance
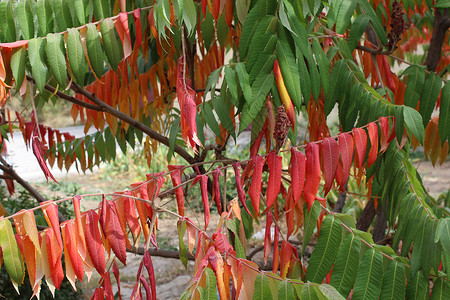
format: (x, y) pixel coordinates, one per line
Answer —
(151, 273)
(116, 273)
(254, 148)
(240, 191)
(70, 244)
(312, 173)
(274, 163)
(131, 216)
(255, 188)
(112, 230)
(54, 254)
(81, 242)
(38, 151)
(360, 139)
(216, 189)
(297, 172)
(204, 188)
(98, 294)
(120, 210)
(330, 157)
(346, 152)
(373, 137)
(16, 44)
(176, 180)
(107, 286)
(276, 250)
(94, 242)
(228, 12)
(287, 251)
(137, 23)
(146, 287)
(121, 24)
(267, 238)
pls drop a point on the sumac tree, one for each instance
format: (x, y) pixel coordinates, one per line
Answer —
(173, 73)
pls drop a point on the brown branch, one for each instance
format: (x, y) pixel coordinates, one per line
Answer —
(68, 97)
(9, 170)
(159, 252)
(440, 27)
(133, 122)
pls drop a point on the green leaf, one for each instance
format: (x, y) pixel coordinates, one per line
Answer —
(417, 287)
(429, 96)
(102, 9)
(244, 81)
(441, 289)
(260, 88)
(173, 138)
(262, 289)
(263, 64)
(80, 14)
(223, 108)
(54, 50)
(75, 53)
(181, 226)
(324, 65)
(399, 123)
(242, 10)
(325, 251)
(336, 87)
(285, 290)
(18, 58)
(370, 276)
(189, 16)
(357, 30)
(305, 81)
(444, 113)
(344, 15)
(62, 14)
(11, 255)
(368, 11)
(25, 18)
(44, 14)
(443, 234)
(94, 50)
(415, 81)
(310, 222)
(210, 119)
(284, 18)
(442, 3)
(248, 31)
(8, 26)
(394, 282)
(346, 265)
(289, 71)
(310, 292)
(413, 122)
(212, 81)
(330, 292)
(111, 43)
(230, 76)
(210, 291)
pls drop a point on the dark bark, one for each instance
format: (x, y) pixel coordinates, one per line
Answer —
(440, 27)
(379, 231)
(366, 217)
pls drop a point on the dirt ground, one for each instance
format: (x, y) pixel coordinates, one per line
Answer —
(171, 276)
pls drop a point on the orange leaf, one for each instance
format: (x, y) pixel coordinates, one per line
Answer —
(175, 175)
(330, 158)
(287, 251)
(129, 208)
(274, 163)
(373, 137)
(79, 230)
(51, 215)
(94, 242)
(384, 126)
(297, 172)
(360, 139)
(267, 238)
(444, 153)
(255, 188)
(312, 182)
(112, 230)
(215, 259)
(120, 210)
